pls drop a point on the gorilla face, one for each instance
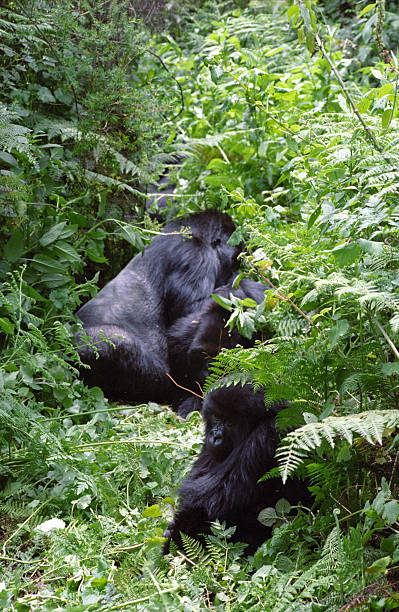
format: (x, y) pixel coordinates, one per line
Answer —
(225, 430)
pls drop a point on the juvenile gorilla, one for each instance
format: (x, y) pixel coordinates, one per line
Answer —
(174, 276)
(195, 339)
(239, 446)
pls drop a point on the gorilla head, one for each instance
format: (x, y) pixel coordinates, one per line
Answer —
(188, 269)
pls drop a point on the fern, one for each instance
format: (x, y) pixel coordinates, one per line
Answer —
(14, 137)
(371, 425)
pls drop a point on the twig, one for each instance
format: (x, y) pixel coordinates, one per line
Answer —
(281, 296)
(184, 388)
(133, 602)
(370, 134)
(387, 338)
(83, 447)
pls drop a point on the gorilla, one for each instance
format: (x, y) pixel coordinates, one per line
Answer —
(195, 339)
(174, 276)
(239, 447)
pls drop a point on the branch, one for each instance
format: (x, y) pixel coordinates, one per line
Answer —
(184, 388)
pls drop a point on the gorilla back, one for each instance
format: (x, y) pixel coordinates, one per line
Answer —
(173, 277)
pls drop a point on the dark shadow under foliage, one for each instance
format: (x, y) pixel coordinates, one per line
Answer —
(239, 447)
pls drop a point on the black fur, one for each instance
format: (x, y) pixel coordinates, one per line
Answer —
(174, 276)
(239, 446)
(195, 339)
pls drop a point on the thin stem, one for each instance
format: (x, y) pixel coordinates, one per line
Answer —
(387, 338)
(283, 297)
(184, 388)
(369, 133)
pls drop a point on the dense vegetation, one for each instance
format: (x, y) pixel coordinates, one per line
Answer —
(288, 121)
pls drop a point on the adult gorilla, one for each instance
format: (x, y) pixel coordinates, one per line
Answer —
(239, 446)
(195, 339)
(174, 276)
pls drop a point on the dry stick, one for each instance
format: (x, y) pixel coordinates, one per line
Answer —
(387, 338)
(370, 134)
(184, 388)
(283, 297)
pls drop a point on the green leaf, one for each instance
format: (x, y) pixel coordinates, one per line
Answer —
(14, 247)
(249, 302)
(6, 326)
(63, 96)
(379, 567)
(53, 233)
(343, 103)
(310, 41)
(385, 89)
(387, 545)
(77, 218)
(391, 512)
(371, 247)
(366, 9)
(132, 236)
(216, 180)
(45, 95)
(283, 507)
(246, 325)
(95, 253)
(293, 12)
(222, 301)
(267, 517)
(346, 254)
(152, 511)
(217, 164)
(83, 502)
(315, 214)
(8, 159)
(48, 264)
(386, 118)
(53, 280)
(66, 251)
(390, 368)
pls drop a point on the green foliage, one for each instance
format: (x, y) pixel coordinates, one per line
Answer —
(89, 108)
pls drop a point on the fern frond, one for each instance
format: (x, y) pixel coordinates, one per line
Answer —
(370, 425)
(194, 549)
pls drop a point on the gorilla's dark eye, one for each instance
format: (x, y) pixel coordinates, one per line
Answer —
(216, 243)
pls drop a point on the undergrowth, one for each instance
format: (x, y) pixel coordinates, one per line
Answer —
(292, 130)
